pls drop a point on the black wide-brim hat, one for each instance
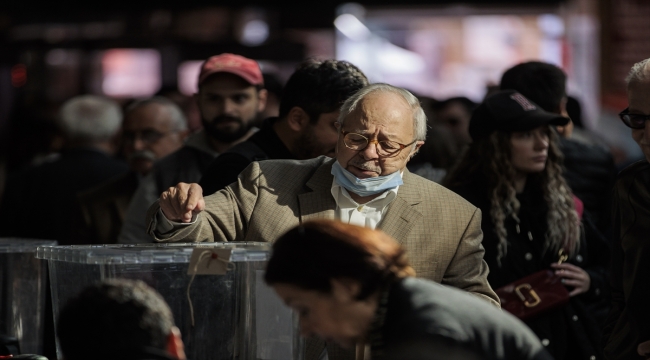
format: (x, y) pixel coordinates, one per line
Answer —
(509, 111)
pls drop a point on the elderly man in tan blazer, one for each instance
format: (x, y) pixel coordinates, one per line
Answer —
(380, 129)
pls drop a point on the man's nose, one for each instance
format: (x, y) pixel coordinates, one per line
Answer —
(370, 151)
(229, 107)
(138, 143)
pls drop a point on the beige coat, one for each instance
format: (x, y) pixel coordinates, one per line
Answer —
(440, 230)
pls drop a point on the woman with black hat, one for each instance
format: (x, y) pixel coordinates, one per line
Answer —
(512, 171)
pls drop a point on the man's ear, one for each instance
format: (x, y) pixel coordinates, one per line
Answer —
(418, 144)
(297, 119)
(175, 345)
(262, 96)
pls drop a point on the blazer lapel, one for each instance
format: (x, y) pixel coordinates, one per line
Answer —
(401, 216)
(318, 203)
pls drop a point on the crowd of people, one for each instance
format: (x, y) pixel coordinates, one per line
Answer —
(373, 197)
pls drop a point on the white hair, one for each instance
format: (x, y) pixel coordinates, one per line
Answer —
(89, 118)
(419, 118)
(179, 122)
(640, 72)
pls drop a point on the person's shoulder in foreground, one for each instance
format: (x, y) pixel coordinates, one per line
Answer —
(426, 320)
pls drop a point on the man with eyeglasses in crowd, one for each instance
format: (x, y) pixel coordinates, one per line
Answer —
(627, 329)
(152, 129)
(367, 184)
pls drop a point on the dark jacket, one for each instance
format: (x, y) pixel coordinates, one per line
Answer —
(570, 332)
(629, 321)
(264, 144)
(102, 209)
(420, 319)
(186, 164)
(590, 172)
(40, 202)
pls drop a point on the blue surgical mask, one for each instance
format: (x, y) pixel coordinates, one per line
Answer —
(365, 187)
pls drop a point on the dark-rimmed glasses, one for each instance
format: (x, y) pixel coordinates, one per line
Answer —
(634, 121)
(358, 142)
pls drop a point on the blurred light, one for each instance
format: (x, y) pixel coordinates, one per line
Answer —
(131, 72)
(188, 76)
(56, 57)
(551, 25)
(255, 33)
(18, 75)
(352, 27)
(396, 60)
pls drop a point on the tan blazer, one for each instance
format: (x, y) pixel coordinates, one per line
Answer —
(440, 230)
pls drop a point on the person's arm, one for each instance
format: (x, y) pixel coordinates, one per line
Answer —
(134, 228)
(222, 172)
(468, 270)
(222, 216)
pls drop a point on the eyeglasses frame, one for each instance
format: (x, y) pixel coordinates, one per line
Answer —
(369, 141)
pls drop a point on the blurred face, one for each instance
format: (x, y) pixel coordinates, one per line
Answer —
(334, 317)
(530, 150)
(148, 134)
(380, 116)
(456, 118)
(319, 138)
(639, 103)
(229, 106)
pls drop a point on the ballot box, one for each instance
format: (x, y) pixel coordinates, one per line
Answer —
(228, 313)
(23, 284)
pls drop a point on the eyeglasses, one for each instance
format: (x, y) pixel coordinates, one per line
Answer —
(635, 121)
(146, 136)
(359, 142)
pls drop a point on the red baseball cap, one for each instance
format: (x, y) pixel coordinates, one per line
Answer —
(243, 67)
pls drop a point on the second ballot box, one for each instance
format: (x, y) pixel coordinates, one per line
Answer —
(229, 314)
(22, 292)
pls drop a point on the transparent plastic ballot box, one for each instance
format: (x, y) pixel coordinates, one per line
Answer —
(236, 315)
(23, 284)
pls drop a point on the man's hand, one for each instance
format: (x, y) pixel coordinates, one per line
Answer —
(181, 202)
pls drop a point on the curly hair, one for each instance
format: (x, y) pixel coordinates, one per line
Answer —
(489, 158)
(320, 87)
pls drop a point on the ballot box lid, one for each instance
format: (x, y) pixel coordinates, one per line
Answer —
(19, 245)
(149, 253)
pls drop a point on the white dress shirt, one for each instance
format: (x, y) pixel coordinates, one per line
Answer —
(368, 214)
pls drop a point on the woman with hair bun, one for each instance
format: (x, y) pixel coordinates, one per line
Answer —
(512, 171)
(353, 286)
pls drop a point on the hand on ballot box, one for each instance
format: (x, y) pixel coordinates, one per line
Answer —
(181, 202)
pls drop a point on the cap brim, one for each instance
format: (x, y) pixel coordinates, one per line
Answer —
(242, 74)
(534, 120)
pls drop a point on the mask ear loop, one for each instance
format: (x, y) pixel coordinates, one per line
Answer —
(229, 266)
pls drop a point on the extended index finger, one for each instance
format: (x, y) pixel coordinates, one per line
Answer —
(194, 199)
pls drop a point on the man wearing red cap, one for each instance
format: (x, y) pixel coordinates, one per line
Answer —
(230, 97)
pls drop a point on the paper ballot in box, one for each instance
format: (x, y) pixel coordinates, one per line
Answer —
(226, 314)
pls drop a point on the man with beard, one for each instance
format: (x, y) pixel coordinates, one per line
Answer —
(379, 128)
(229, 98)
(305, 128)
(152, 129)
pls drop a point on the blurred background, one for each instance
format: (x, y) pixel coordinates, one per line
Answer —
(437, 49)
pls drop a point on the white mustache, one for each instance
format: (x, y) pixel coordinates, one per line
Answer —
(142, 154)
(365, 165)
